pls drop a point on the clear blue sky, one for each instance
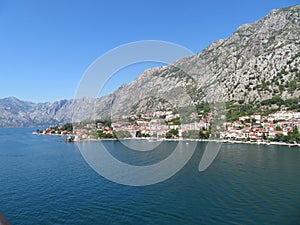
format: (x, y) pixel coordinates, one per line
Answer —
(45, 46)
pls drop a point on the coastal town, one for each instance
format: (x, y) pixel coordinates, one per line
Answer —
(279, 127)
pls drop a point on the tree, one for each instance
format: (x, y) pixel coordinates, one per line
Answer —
(101, 134)
(169, 135)
(281, 137)
(172, 133)
(138, 133)
(294, 135)
(292, 85)
(203, 134)
(67, 127)
(274, 100)
(122, 134)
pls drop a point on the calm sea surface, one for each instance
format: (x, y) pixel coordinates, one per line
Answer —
(46, 181)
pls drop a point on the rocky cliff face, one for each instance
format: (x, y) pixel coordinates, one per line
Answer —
(258, 61)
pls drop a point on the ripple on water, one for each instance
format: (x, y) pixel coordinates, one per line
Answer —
(44, 181)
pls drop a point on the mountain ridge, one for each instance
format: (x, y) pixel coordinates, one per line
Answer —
(258, 61)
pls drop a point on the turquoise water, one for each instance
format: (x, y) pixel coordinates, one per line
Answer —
(45, 181)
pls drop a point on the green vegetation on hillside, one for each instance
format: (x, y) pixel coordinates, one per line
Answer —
(67, 127)
(235, 109)
(101, 134)
(122, 134)
(290, 138)
(140, 134)
(173, 133)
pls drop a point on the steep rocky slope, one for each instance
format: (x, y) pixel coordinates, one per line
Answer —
(258, 61)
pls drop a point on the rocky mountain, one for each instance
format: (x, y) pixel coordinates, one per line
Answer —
(258, 61)
(17, 113)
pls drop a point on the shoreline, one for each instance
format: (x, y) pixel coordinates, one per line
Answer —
(178, 139)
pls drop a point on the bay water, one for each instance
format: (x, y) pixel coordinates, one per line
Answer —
(46, 181)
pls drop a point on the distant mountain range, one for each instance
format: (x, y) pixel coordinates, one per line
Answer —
(258, 61)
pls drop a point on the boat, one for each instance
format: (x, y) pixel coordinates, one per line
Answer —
(294, 144)
(70, 139)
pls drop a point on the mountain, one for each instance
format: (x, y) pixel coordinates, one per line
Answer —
(258, 61)
(250, 65)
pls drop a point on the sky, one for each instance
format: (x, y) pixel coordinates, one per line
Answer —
(46, 46)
